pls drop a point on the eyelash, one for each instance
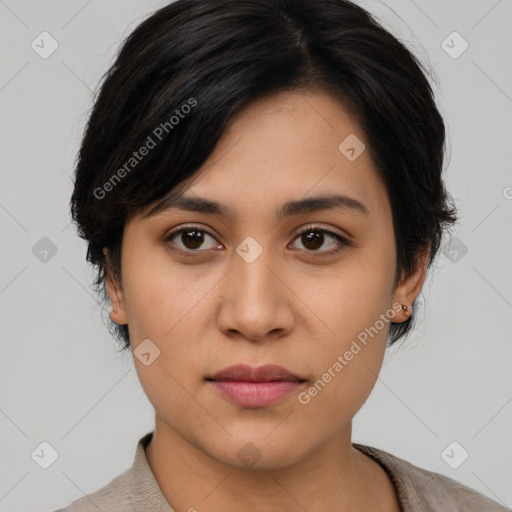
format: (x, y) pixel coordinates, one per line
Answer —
(343, 242)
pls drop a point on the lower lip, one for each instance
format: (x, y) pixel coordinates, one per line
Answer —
(256, 394)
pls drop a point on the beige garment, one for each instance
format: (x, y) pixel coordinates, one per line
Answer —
(419, 490)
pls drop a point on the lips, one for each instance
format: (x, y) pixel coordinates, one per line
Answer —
(246, 373)
(251, 387)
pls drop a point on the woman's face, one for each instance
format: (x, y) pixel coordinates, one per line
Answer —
(246, 287)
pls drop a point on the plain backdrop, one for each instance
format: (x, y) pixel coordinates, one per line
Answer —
(62, 381)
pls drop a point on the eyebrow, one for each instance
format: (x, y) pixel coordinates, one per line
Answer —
(288, 209)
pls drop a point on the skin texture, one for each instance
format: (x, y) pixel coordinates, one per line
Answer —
(292, 306)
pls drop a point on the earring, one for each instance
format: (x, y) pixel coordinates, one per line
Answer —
(405, 308)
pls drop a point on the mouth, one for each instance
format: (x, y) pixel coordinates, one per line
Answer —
(255, 387)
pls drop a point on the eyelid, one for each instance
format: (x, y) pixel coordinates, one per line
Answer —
(318, 227)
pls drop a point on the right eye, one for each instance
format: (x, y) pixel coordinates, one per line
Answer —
(191, 238)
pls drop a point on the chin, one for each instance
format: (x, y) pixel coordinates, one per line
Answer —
(258, 452)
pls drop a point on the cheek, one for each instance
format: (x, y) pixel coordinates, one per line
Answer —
(350, 297)
(332, 401)
(167, 305)
(160, 295)
(163, 306)
(345, 370)
(168, 388)
(354, 305)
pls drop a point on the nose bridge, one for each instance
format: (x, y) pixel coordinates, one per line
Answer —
(253, 279)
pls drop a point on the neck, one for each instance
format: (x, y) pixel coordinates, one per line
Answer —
(335, 476)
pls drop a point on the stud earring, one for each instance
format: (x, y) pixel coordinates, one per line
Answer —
(406, 309)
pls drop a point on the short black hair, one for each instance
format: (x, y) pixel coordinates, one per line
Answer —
(186, 70)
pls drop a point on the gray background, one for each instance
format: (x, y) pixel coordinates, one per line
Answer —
(63, 382)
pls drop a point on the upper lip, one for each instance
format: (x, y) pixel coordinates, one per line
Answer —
(246, 373)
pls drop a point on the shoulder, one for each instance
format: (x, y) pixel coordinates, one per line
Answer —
(116, 495)
(420, 490)
(135, 490)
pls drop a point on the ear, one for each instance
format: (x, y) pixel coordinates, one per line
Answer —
(409, 288)
(114, 290)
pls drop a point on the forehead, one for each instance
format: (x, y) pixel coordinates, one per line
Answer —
(282, 148)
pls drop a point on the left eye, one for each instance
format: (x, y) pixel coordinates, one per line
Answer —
(312, 238)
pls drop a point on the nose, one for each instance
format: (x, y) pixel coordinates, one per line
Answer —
(257, 303)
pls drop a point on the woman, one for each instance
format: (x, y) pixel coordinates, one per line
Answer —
(260, 186)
